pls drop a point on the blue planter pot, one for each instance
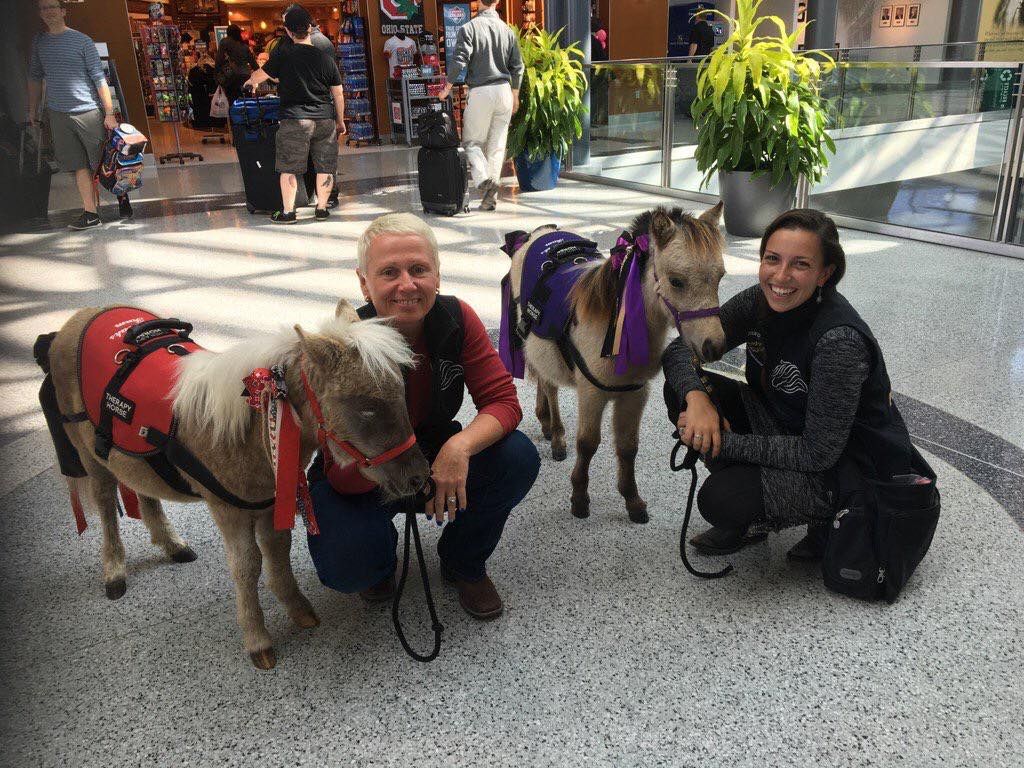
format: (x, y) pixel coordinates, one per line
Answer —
(537, 175)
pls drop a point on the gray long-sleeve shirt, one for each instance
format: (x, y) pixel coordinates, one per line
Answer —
(488, 51)
(839, 367)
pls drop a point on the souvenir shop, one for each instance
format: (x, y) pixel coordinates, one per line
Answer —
(392, 54)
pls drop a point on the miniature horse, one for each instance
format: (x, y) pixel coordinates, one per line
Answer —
(345, 384)
(678, 263)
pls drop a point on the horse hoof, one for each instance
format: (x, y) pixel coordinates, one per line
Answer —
(558, 452)
(639, 515)
(307, 620)
(115, 589)
(265, 659)
(581, 509)
(186, 555)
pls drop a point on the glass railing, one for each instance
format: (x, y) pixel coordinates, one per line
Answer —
(932, 146)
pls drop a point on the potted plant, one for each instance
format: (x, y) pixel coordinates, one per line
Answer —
(551, 108)
(760, 119)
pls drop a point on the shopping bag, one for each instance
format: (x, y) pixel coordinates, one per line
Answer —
(219, 104)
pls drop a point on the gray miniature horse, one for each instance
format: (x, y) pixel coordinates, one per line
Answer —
(678, 266)
(345, 384)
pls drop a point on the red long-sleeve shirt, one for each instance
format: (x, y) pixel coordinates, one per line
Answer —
(489, 384)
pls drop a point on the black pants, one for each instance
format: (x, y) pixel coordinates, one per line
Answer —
(731, 496)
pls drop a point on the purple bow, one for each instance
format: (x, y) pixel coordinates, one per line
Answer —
(634, 346)
(514, 241)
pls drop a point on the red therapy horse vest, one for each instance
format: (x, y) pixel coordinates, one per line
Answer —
(127, 384)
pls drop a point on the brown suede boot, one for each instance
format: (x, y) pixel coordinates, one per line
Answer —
(381, 591)
(479, 598)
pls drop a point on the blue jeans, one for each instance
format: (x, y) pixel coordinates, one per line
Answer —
(356, 545)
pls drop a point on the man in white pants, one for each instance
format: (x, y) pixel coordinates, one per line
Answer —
(487, 50)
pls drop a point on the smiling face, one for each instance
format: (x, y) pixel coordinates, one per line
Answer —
(792, 268)
(401, 280)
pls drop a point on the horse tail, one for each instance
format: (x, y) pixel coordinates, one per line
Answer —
(41, 350)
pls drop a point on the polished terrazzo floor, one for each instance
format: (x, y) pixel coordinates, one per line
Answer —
(609, 653)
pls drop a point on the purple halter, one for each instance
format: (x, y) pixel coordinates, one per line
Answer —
(642, 244)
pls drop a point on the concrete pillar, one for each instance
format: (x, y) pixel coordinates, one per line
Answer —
(574, 17)
(822, 33)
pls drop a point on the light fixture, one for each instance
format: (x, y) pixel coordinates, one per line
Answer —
(263, 25)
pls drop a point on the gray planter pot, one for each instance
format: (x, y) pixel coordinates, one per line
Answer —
(752, 204)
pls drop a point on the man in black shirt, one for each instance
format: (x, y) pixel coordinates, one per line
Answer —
(702, 38)
(312, 112)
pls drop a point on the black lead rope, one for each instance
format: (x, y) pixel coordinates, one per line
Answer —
(411, 529)
(690, 463)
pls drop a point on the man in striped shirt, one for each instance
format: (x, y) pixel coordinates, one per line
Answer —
(77, 100)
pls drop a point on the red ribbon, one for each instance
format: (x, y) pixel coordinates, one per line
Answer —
(290, 490)
(76, 506)
(130, 500)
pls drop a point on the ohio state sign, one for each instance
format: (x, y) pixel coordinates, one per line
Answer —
(401, 16)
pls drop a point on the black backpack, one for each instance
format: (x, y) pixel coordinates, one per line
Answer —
(881, 530)
(437, 130)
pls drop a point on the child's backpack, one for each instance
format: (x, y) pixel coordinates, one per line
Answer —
(120, 169)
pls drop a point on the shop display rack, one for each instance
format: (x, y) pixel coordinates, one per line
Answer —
(355, 80)
(412, 96)
(162, 67)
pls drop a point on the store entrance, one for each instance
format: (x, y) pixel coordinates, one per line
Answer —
(180, 69)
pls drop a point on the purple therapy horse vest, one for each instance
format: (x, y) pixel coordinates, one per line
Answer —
(554, 262)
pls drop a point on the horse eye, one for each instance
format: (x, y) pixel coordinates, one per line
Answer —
(676, 282)
(367, 415)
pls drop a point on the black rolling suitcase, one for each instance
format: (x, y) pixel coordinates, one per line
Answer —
(254, 123)
(442, 177)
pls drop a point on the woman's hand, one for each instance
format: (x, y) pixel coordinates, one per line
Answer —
(700, 425)
(450, 469)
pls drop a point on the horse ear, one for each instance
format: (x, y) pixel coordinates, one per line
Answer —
(313, 351)
(346, 311)
(662, 227)
(713, 215)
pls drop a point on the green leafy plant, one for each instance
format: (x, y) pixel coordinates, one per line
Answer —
(550, 116)
(758, 106)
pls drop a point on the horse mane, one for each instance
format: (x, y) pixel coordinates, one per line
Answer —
(209, 386)
(594, 295)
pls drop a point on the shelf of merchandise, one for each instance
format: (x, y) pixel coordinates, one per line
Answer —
(356, 79)
(414, 95)
(161, 50)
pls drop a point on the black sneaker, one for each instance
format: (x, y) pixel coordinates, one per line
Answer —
(332, 200)
(280, 217)
(86, 221)
(321, 214)
(725, 541)
(124, 208)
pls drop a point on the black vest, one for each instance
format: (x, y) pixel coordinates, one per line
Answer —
(780, 350)
(443, 332)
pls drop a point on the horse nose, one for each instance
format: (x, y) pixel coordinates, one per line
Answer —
(709, 350)
(418, 484)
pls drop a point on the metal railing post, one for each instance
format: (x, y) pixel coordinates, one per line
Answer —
(1010, 170)
(668, 124)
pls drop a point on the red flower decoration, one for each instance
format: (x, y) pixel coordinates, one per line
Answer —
(256, 383)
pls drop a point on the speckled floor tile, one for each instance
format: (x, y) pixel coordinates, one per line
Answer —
(609, 653)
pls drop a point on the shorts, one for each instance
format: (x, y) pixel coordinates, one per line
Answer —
(77, 139)
(298, 140)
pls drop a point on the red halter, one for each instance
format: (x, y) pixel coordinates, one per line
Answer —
(323, 434)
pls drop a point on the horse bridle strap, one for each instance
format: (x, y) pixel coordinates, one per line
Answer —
(323, 434)
(642, 244)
